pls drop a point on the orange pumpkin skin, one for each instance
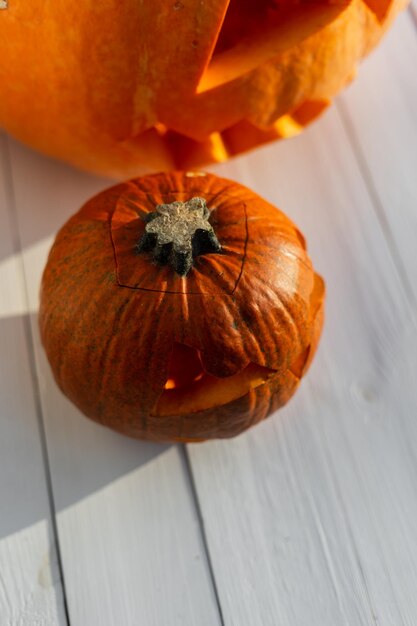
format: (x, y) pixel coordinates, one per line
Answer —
(113, 91)
(165, 357)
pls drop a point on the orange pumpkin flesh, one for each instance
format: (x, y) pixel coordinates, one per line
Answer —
(112, 89)
(168, 357)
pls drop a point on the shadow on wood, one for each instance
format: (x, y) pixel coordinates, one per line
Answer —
(86, 456)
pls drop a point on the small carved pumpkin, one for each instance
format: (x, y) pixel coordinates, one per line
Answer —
(113, 86)
(179, 307)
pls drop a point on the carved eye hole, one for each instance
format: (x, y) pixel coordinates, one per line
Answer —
(254, 31)
(246, 18)
(185, 367)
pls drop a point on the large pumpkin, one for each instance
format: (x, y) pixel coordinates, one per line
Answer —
(115, 86)
(179, 307)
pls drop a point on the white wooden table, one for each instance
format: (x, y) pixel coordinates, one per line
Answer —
(310, 519)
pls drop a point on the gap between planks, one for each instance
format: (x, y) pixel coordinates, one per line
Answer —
(194, 492)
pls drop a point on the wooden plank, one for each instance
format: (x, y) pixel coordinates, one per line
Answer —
(310, 517)
(131, 544)
(380, 113)
(30, 587)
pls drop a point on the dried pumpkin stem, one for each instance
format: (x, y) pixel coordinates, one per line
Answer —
(178, 232)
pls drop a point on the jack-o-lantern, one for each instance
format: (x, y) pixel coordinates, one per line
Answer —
(116, 86)
(179, 307)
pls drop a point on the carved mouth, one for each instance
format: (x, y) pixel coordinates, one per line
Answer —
(189, 388)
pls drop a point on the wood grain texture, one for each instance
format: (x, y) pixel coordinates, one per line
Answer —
(130, 540)
(382, 128)
(30, 587)
(310, 517)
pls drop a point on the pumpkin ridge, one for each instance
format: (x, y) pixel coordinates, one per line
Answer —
(105, 350)
(245, 248)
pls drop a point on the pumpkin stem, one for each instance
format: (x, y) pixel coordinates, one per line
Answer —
(178, 232)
